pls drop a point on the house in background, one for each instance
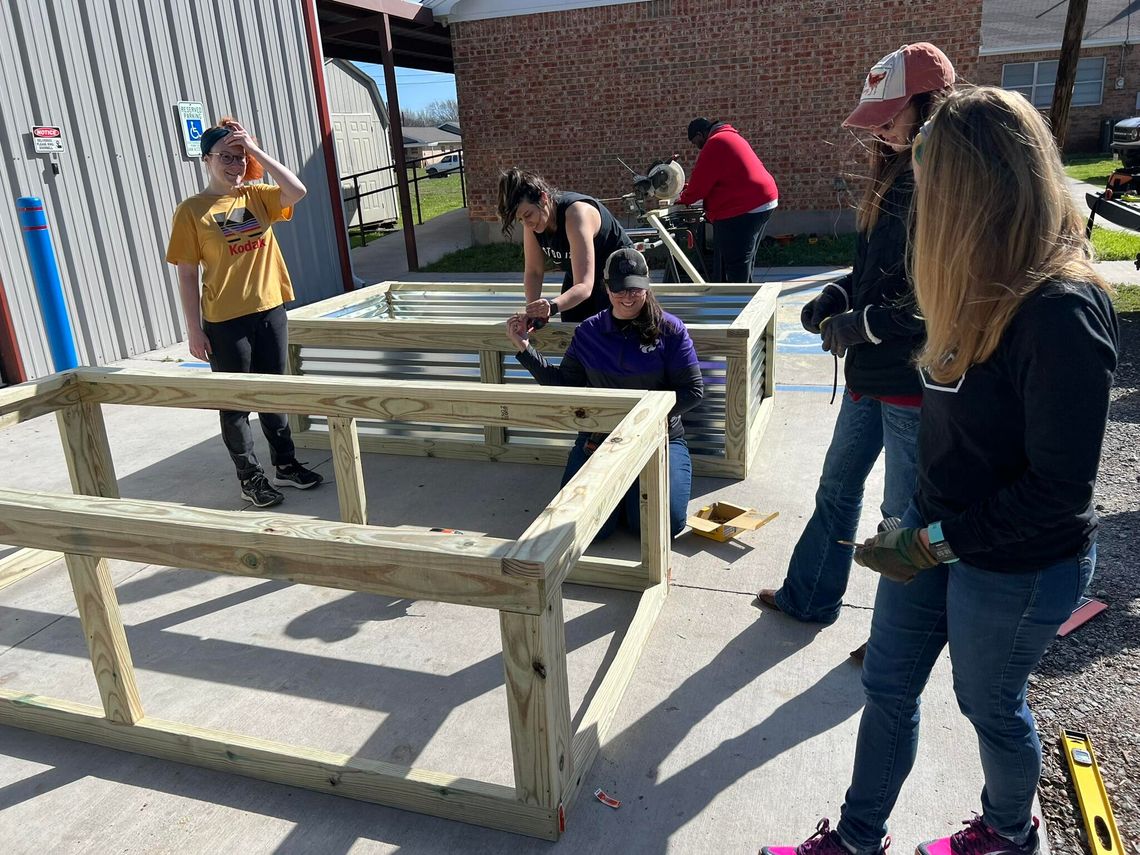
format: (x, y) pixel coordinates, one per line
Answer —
(429, 143)
(450, 127)
(1021, 43)
(361, 140)
(566, 89)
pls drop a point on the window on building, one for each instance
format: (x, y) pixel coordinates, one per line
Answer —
(1035, 81)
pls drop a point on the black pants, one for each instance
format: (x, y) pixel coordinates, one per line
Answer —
(734, 246)
(258, 344)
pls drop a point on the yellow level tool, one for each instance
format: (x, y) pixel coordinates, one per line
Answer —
(1100, 827)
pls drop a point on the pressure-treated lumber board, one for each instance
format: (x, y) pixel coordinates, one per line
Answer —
(25, 562)
(340, 301)
(434, 793)
(556, 408)
(37, 398)
(92, 471)
(346, 464)
(738, 385)
(654, 499)
(759, 425)
(547, 455)
(770, 357)
(491, 371)
(452, 569)
(415, 335)
(538, 703)
(603, 706)
(619, 573)
(554, 542)
(754, 317)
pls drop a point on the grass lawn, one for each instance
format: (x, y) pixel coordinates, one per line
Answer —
(1127, 298)
(1112, 245)
(436, 196)
(1092, 168)
(805, 251)
(489, 258)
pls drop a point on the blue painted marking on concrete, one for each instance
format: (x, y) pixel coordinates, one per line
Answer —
(193, 364)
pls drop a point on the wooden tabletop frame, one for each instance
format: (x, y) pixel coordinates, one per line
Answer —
(746, 345)
(522, 579)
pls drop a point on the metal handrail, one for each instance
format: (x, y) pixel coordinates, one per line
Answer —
(415, 181)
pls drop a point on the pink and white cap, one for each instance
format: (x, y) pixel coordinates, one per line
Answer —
(898, 77)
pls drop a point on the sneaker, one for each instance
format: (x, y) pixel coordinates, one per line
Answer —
(977, 838)
(256, 489)
(295, 475)
(823, 842)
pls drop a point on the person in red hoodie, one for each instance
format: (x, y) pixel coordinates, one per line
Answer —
(738, 192)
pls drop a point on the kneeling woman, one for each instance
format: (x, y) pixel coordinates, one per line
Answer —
(634, 345)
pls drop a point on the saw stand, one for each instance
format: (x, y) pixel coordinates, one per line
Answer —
(662, 223)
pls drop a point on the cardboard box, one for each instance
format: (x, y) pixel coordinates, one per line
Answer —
(722, 521)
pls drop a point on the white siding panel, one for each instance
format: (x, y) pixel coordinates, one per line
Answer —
(109, 73)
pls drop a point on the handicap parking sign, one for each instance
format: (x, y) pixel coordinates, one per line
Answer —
(192, 118)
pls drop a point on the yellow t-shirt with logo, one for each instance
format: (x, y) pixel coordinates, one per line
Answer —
(230, 237)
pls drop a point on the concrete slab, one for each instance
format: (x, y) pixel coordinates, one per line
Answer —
(737, 730)
(386, 257)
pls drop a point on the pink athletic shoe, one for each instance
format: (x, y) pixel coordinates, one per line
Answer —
(823, 842)
(977, 838)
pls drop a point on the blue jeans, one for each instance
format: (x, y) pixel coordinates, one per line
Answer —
(998, 626)
(629, 508)
(817, 574)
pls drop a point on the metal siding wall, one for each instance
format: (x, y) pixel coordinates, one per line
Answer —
(109, 73)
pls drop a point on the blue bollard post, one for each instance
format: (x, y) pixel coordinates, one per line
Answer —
(45, 273)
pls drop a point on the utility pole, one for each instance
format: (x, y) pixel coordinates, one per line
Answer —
(1067, 70)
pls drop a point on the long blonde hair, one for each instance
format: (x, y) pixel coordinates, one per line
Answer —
(994, 221)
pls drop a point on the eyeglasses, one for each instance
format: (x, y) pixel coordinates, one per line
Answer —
(631, 293)
(228, 159)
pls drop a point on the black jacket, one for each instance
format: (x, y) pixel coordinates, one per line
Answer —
(1008, 456)
(878, 287)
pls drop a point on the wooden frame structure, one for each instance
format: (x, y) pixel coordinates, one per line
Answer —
(744, 350)
(521, 579)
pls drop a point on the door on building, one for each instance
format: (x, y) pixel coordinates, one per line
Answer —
(361, 145)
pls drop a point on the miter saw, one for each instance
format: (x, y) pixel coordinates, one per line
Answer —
(663, 183)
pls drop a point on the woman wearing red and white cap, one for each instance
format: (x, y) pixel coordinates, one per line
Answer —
(869, 316)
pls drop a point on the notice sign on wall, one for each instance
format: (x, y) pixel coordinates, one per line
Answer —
(47, 139)
(191, 119)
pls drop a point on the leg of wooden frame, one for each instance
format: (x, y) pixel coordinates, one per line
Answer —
(770, 357)
(655, 533)
(538, 703)
(297, 424)
(737, 376)
(491, 371)
(93, 474)
(349, 477)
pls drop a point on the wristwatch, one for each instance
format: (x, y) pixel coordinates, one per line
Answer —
(938, 545)
(550, 304)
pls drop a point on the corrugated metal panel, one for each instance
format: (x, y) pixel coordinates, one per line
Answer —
(109, 73)
(704, 425)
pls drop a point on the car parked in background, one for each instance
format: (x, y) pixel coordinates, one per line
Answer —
(1126, 142)
(449, 163)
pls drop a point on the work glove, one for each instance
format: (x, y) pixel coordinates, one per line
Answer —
(843, 330)
(900, 554)
(831, 300)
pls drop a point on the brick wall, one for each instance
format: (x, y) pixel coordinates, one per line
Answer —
(1084, 122)
(567, 93)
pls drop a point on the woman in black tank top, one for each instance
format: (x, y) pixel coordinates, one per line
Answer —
(572, 230)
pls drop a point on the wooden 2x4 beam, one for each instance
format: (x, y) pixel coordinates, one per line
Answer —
(434, 793)
(392, 562)
(387, 400)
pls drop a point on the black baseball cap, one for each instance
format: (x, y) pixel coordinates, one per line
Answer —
(211, 137)
(626, 268)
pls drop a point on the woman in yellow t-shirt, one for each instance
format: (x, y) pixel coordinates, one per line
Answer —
(235, 311)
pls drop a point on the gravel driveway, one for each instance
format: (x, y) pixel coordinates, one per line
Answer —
(1090, 680)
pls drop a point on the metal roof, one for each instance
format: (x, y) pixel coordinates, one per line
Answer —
(1024, 25)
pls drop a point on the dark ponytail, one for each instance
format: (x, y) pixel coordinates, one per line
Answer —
(515, 187)
(650, 323)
